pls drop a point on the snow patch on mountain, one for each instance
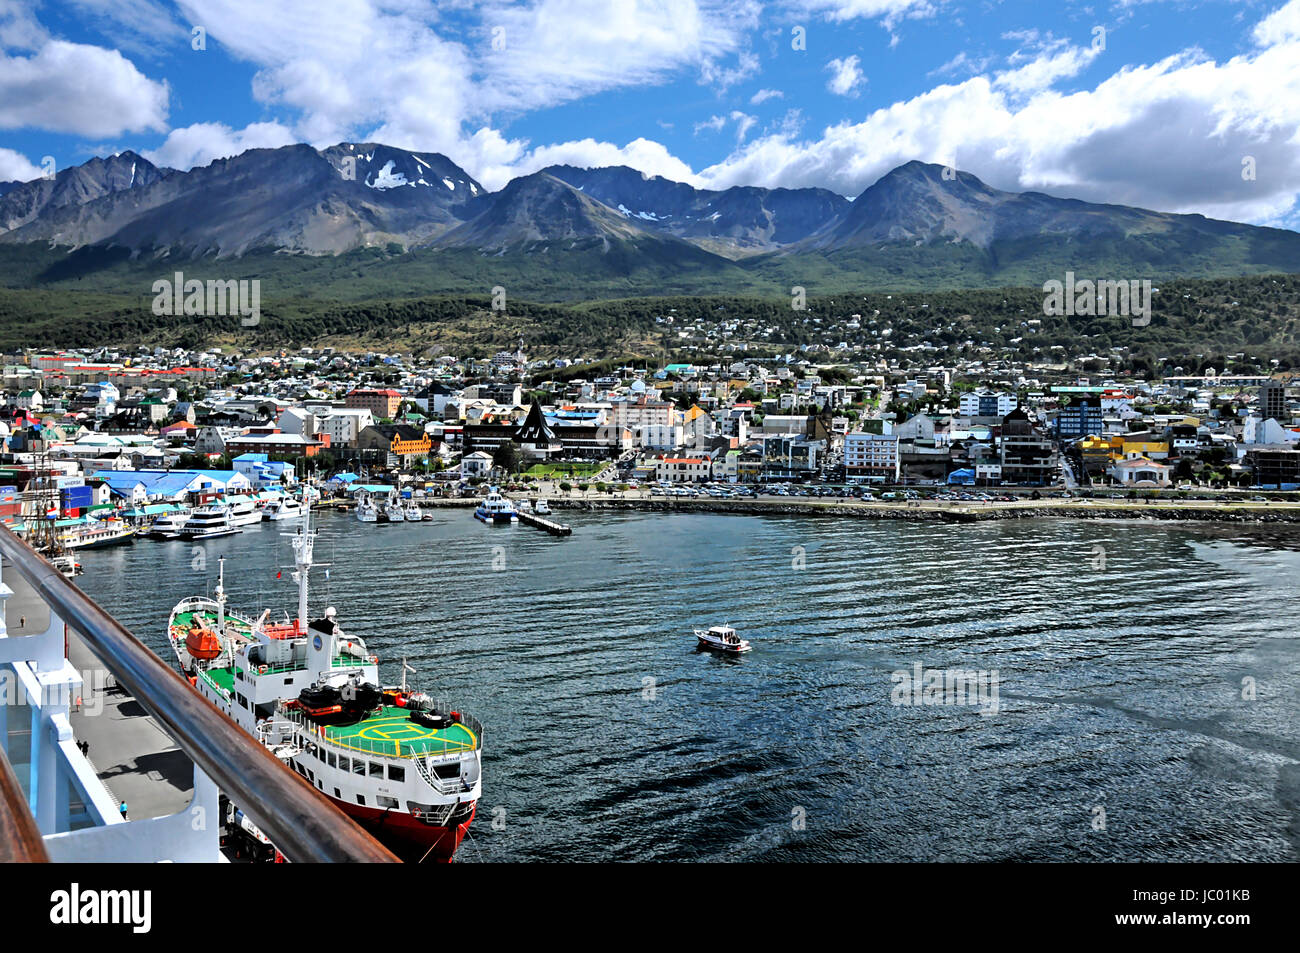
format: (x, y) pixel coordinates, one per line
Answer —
(387, 178)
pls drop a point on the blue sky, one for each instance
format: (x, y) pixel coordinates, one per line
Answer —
(1163, 110)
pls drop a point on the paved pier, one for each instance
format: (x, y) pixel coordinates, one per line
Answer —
(137, 761)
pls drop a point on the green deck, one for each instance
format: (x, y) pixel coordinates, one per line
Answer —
(390, 731)
(223, 678)
(186, 619)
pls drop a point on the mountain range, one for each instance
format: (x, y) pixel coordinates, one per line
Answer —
(919, 225)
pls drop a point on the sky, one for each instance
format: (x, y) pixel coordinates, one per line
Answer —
(1175, 105)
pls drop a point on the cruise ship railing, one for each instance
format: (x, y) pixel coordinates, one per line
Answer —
(20, 839)
(302, 823)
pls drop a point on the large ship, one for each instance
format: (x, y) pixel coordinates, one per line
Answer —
(403, 765)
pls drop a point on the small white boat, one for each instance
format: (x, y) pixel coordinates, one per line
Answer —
(285, 508)
(523, 506)
(413, 514)
(495, 508)
(66, 565)
(722, 638)
(541, 508)
(367, 512)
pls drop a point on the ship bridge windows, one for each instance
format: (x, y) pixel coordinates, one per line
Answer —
(358, 766)
(396, 772)
(333, 762)
(376, 770)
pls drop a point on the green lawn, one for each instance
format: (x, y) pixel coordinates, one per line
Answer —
(546, 471)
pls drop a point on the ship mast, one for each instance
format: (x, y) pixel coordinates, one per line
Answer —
(221, 596)
(303, 541)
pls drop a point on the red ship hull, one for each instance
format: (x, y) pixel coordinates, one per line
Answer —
(411, 840)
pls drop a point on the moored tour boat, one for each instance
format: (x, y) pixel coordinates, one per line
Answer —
(367, 512)
(495, 508)
(403, 765)
(209, 522)
(392, 509)
(285, 508)
(242, 510)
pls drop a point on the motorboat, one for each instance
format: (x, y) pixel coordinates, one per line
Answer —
(243, 510)
(167, 526)
(722, 638)
(285, 508)
(542, 508)
(209, 522)
(367, 512)
(393, 510)
(495, 508)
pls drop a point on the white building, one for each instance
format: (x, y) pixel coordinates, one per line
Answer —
(987, 403)
(870, 456)
(683, 469)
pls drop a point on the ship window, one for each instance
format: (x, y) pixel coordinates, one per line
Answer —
(343, 762)
(361, 799)
(337, 794)
(332, 761)
(396, 772)
(376, 770)
(358, 766)
(386, 801)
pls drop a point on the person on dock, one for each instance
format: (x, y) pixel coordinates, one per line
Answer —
(123, 810)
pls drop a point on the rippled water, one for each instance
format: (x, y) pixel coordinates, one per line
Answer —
(1120, 653)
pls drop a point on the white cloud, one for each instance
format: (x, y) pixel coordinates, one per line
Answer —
(712, 124)
(763, 95)
(1169, 135)
(1044, 70)
(744, 122)
(846, 76)
(889, 12)
(1281, 25)
(15, 167)
(199, 144)
(80, 89)
(644, 155)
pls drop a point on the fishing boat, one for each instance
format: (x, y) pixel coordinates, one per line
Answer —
(404, 765)
(367, 512)
(413, 514)
(495, 508)
(542, 508)
(285, 508)
(209, 522)
(722, 638)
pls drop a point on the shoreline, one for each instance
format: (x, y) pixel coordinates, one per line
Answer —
(957, 513)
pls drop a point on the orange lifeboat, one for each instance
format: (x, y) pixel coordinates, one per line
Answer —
(202, 644)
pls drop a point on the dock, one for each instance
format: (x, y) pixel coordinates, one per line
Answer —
(542, 523)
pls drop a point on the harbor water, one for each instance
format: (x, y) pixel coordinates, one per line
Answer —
(1138, 682)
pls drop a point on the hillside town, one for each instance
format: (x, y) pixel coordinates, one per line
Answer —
(103, 431)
